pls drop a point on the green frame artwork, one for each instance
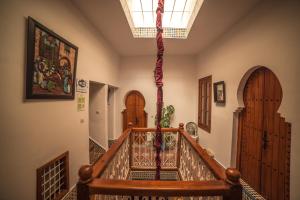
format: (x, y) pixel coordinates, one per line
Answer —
(51, 64)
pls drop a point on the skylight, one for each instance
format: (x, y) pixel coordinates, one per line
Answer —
(178, 17)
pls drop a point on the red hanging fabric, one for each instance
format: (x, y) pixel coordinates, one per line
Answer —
(158, 73)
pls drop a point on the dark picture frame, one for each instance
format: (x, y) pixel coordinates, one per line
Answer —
(51, 64)
(219, 92)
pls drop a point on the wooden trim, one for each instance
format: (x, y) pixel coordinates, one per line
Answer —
(159, 188)
(205, 126)
(102, 163)
(288, 160)
(39, 172)
(213, 165)
(239, 114)
(130, 150)
(146, 118)
(215, 92)
(154, 129)
(178, 150)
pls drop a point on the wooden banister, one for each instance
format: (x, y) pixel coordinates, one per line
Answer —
(225, 182)
(103, 162)
(159, 188)
(153, 129)
(231, 175)
(212, 164)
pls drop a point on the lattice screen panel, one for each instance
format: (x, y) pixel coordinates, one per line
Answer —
(143, 150)
(150, 175)
(53, 178)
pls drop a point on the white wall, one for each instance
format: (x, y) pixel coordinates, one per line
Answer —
(269, 36)
(136, 73)
(33, 132)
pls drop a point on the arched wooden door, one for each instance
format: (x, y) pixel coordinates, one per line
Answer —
(265, 137)
(134, 112)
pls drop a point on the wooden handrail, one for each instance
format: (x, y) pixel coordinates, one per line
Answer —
(153, 129)
(159, 188)
(212, 164)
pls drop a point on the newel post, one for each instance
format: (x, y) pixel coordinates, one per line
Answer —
(181, 126)
(130, 125)
(233, 178)
(85, 177)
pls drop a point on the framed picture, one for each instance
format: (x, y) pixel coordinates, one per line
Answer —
(51, 64)
(219, 92)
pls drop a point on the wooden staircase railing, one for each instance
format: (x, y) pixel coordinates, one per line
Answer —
(201, 175)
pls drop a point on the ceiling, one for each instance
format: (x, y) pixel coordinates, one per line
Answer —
(214, 19)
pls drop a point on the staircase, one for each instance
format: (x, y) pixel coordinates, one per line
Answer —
(96, 151)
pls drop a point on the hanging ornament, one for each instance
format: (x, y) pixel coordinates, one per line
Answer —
(158, 74)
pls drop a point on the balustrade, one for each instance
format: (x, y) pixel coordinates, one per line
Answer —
(143, 150)
(192, 167)
(201, 177)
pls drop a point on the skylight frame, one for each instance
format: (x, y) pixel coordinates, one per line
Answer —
(170, 31)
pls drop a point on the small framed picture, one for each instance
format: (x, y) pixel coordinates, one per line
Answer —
(219, 92)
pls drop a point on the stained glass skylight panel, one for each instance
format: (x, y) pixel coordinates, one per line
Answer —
(178, 17)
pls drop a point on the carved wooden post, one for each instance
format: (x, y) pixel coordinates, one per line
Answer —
(181, 126)
(85, 177)
(130, 125)
(233, 178)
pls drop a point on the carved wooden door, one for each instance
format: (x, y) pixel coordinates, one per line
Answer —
(134, 112)
(265, 138)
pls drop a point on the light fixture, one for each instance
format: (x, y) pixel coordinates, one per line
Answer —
(178, 17)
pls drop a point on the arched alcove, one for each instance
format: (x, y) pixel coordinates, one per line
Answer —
(242, 84)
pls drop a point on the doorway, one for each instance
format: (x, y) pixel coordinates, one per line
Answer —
(98, 113)
(264, 138)
(134, 112)
(111, 109)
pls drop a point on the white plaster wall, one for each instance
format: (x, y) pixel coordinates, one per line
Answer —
(269, 36)
(33, 132)
(136, 73)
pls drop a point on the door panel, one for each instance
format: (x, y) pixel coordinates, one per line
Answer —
(134, 112)
(252, 130)
(265, 137)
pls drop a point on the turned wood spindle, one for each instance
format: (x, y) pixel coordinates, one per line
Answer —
(130, 125)
(181, 126)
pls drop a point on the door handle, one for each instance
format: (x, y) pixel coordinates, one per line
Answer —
(136, 120)
(265, 140)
